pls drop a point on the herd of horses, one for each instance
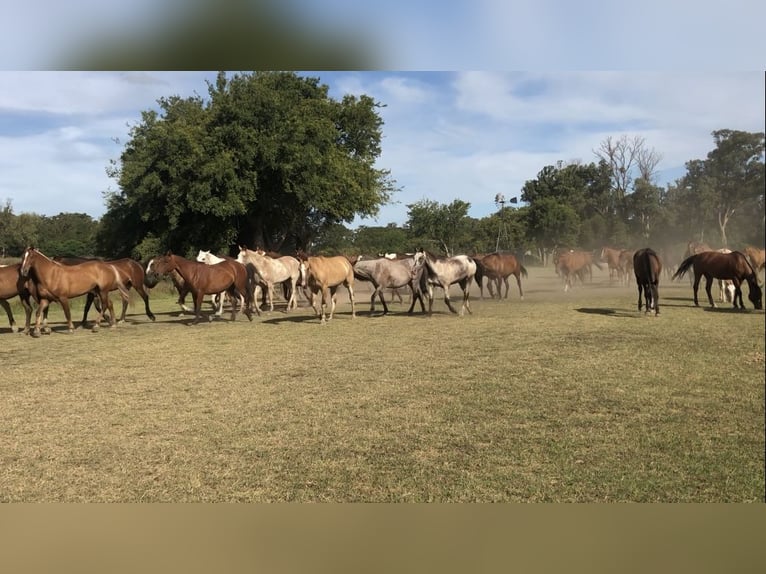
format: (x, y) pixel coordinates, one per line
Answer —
(41, 279)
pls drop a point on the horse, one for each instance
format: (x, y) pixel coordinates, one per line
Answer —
(693, 248)
(571, 264)
(210, 259)
(647, 268)
(613, 262)
(55, 281)
(285, 269)
(445, 271)
(733, 266)
(385, 273)
(626, 264)
(132, 275)
(499, 267)
(756, 256)
(201, 279)
(326, 274)
(11, 285)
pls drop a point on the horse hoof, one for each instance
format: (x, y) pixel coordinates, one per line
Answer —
(14, 329)
(95, 329)
(35, 333)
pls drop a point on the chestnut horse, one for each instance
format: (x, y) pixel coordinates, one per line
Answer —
(648, 269)
(497, 267)
(326, 274)
(11, 285)
(714, 265)
(571, 264)
(54, 281)
(756, 257)
(201, 279)
(132, 275)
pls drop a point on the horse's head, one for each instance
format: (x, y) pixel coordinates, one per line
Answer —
(304, 272)
(756, 293)
(203, 256)
(28, 260)
(163, 264)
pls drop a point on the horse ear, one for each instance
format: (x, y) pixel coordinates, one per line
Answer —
(169, 253)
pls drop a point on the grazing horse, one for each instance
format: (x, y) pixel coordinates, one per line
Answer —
(648, 268)
(733, 266)
(285, 269)
(55, 281)
(571, 264)
(445, 271)
(132, 275)
(11, 285)
(326, 274)
(201, 279)
(497, 267)
(385, 273)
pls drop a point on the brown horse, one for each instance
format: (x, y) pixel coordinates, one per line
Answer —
(497, 267)
(132, 275)
(55, 281)
(575, 264)
(11, 285)
(756, 257)
(614, 263)
(326, 274)
(733, 266)
(648, 269)
(201, 279)
(445, 271)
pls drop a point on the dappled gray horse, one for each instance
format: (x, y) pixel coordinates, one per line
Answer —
(445, 271)
(385, 273)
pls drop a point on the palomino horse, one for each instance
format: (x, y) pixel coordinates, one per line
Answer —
(497, 267)
(385, 273)
(132, 275)
(55, 281)
(273, 271)
(326, 274)
(571, 264)
(445, 271)
(201, 279)
(733, 266)
(11, 285)
(648, 268)
(756, 257)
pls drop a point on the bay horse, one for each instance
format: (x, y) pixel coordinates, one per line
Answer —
(497, 267)
(647, 268)
(575, 264)
(445, 271)
(201, 279)
(325, 275)
(386, 273)
(132, 275)
(12, 284)
(284, 269)
(54, 281)
(733, 266)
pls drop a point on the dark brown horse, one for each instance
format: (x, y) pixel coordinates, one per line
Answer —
(201, 279)
(55, 281)
(648, 269)
(132, 275)
(497, 268)
(733, 266)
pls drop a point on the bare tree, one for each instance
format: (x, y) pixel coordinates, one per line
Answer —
(625, 154)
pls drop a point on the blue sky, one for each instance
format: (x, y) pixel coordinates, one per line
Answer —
(447, 135)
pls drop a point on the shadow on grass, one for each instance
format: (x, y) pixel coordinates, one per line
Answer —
(612, 312)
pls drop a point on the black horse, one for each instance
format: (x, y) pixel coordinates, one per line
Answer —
(648, 268)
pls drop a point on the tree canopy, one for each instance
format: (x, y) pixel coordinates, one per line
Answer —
(267, 159)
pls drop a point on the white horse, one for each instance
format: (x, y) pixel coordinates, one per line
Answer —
(445, 271)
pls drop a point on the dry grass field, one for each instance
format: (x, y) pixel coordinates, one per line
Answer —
(561, 397)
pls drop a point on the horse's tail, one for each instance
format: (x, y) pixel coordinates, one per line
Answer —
(252, 280)
(523, 270)
(684, 267)
(124, 291)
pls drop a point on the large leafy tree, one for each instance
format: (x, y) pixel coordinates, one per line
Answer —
(267, 159)
(442, 227)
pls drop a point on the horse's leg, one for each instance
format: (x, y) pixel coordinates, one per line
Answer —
(640, 287)
(656, 297)
(447, 301)
(325, 296)
(64, 301)
(695, 286)
(465, 285)
(41, 306)
(737, 293)
(145, 296)
(88, 302)
(350, 288)
(27, 312)
(11, 321)
(708, 286)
